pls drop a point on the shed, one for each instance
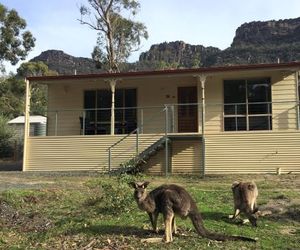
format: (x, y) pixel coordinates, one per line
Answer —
(38, 125)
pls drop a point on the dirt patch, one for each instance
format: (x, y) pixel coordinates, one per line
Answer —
(43, 180)
(288, 230)
(281, 207)
(11, 217)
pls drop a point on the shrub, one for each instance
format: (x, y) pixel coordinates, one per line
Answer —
(112, 197)
(6, 138)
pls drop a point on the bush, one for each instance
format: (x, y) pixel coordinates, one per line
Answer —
(113, 197)
(6, 138)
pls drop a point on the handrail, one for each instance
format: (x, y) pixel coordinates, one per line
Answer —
(122, 139)
(132, 132)
(109, 149)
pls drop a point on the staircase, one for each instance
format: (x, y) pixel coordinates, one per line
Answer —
(131, 152)
(135, 163)
(149, 152)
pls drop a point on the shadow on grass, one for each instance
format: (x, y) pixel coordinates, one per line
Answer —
(217, 216)
(117, 230)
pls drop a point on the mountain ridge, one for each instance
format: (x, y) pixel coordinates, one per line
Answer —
(254, 42)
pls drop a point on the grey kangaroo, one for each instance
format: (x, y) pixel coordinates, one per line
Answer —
(244, 197)
(170, 200)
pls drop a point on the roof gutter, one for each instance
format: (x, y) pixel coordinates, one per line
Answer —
(293, 66)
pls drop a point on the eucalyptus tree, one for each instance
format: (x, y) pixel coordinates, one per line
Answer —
(118, 34)
(15, 41)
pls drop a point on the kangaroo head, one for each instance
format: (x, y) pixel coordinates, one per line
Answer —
(235, 185)
(140, 192)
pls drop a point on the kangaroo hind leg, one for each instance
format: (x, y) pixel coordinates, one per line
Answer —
(174, 227)
(153, 218)
(168, 219)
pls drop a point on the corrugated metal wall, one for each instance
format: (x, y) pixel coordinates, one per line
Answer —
(55, 153)
(226, 153)
(253, 152)
(186, 157)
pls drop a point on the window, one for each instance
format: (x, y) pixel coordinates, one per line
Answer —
(97, 104)
(247, 104)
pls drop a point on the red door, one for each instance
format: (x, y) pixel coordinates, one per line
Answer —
(187, 114)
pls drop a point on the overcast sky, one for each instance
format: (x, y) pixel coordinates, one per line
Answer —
(199, 22)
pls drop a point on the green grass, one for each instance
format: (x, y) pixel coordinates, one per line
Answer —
(101, 213)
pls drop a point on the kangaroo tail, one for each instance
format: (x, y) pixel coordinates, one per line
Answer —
(197, 221)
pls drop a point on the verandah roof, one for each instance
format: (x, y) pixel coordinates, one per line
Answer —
(293, 66)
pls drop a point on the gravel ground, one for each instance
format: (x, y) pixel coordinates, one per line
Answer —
(41, 180)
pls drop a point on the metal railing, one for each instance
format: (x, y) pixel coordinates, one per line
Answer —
(278, 115)
(133, 151)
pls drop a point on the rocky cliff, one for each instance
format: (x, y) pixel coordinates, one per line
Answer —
(266, 34)
(66, 64)
(180, 54)
(254, 42)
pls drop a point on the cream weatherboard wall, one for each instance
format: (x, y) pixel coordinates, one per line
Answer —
(256, 152)
(284, 96)
(89, 153)
(81, 153)
(185, 157)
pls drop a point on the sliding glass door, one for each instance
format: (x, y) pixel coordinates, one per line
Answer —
(97, 105)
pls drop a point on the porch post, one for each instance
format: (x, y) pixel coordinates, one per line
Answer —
(112, 83)
(26, 125)
(297, 99)
(201, 79)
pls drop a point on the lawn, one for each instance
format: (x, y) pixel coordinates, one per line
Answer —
(98, 212)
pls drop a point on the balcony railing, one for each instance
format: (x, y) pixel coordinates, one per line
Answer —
(176, 118)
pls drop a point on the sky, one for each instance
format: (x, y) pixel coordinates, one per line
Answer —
(55, 23)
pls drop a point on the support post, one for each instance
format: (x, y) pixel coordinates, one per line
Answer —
(137, 142)
(109, 160)
(201, 79)
(142, 121)
(56, 122)
(297, 99)
(83, 122)
(112, 83)
(166, 142)
(27, 124)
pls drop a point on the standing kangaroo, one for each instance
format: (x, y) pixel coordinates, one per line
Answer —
(170, 200)
(244, 198)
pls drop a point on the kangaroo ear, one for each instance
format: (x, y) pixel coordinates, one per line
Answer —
(235, 184)
(251, 186)
(146, 183)
(132, 184)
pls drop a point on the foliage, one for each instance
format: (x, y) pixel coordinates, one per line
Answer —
(6, 138)
(163, 65)
(39, 92)
(34, 69)
(118, 36)
(112, 199)
(15, 43)
(12, 92)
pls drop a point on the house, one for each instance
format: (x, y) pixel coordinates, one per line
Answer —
(219, 120)
(37, 125)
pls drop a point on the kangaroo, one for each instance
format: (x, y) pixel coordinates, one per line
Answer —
(244, 197)
(171, 200)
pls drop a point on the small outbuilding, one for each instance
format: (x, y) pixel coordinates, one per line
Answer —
(38, 125)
